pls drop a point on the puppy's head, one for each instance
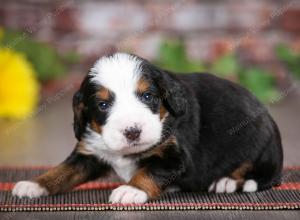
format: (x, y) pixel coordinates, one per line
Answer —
(124, 104)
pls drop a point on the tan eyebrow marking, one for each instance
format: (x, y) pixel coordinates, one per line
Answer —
(103, 94)
(142, 85)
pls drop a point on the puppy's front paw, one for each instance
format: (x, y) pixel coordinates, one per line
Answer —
(224, 185)
(29, 189)
(128, 194)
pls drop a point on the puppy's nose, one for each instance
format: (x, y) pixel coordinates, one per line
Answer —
(132, 133)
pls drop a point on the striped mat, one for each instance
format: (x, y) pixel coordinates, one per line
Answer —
(93, 196)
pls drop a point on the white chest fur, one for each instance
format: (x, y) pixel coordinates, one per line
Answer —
(124, 167)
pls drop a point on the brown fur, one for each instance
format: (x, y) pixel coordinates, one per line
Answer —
(162, 112)
(145, 182)
(61, 179)
(142, 179)
(159, 149)
(103, 94)
(96, 127)
(240, 173)
(142, 85)
(80, 148)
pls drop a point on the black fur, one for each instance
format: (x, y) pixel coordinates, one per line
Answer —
(86, 107)
(215, 108)
(171, 92)
(218, 126)
(211, 128)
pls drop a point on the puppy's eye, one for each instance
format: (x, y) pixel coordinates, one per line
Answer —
(103, 105)
(147, 97)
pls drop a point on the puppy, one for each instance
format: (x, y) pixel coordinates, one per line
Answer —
(157, 130)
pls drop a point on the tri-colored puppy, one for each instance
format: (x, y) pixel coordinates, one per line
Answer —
(158, 130)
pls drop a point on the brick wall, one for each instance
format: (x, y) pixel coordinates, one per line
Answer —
(208, 27)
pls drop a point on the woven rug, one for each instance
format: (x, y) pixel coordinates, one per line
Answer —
(94, 196)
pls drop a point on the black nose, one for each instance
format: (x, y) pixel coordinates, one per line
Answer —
(132, 133)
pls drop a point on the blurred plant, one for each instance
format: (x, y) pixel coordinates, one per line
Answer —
(45, 60)
(19, 89)
(172, 56)
(1, 32)
(226, 66)
(260, 82)
(290, 58)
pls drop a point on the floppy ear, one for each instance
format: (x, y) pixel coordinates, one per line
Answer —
(78, 109)
(172, 92)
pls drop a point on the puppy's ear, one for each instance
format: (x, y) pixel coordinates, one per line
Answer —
(79, 119)
(80, 109)
(172, 92)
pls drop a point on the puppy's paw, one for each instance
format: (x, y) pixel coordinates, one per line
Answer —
(128, 194)
(224, 185)
(250, 186)
(29, 189)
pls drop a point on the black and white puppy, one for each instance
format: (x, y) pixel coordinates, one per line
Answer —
(157, 130)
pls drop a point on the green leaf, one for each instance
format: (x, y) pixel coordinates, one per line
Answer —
(285, 53)
(290, 58)
(71, 57)
(172, 56)
(260, 83)
(225, 66)
(46, 61)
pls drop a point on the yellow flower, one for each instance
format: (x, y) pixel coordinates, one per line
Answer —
(19, 89)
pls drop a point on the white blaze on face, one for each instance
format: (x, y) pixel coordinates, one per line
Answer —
(120, 74)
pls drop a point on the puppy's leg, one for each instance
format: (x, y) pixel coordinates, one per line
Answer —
(156, 173)
(76, 169)
(234, 182)
(141, 187)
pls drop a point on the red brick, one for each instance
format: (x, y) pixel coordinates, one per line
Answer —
(291, 20)
(2, 16)
(296, 45)
(65, 19)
